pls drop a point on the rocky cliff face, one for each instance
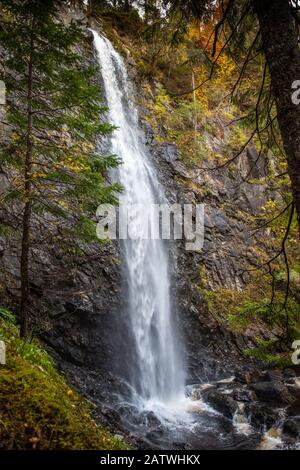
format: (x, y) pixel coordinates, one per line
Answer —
(229, 246)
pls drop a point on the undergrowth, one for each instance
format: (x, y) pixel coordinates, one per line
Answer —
(38, 409)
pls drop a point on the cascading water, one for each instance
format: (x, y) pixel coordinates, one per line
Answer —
(156, 377)
(158, 374)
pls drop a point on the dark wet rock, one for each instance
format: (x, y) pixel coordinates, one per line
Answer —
(247, 377)
(88, 35)
(180, 445)
(152, 420)
(244, 395)
(254, 376)
(197, 391)
(273, 375)
(221, 402)
(260, 416)
(112, 415)
(272, 391)
(289, 375)
(148, 132)
(152, 436)
(291, 426)
(294, 388)
(294, 408)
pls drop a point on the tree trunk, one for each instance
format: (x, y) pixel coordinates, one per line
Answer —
(280, 45)
(24, 267)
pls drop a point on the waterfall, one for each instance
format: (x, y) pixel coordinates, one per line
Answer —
(157, 373)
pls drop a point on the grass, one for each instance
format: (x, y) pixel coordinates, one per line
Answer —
(38, 409)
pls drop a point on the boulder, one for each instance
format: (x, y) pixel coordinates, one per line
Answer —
(272, 391)
(292, 426)
(244, 395)
(273, 375)
(289, 375)
(221, 402)
(260, 415)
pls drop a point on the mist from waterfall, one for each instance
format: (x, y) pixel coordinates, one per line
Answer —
(157, 372)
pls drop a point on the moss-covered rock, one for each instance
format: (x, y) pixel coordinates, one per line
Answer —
(38, 409)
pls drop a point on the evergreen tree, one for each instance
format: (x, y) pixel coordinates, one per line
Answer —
(53, 114)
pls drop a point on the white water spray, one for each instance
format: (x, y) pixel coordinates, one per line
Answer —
(157, 377)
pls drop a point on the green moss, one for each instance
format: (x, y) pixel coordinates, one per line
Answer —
(237, 138)
(252, 309)
(221, 301)
(143, 69)
(267, 351)
(161, 105)
(6, 230)
(38, 409)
